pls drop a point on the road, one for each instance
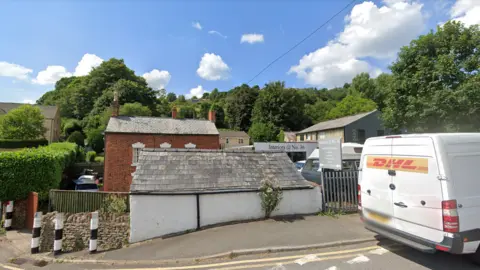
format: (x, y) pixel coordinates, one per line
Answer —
(382, 255)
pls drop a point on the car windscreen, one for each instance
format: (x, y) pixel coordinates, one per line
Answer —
(311, 165)
(299, 165)
(86, 186)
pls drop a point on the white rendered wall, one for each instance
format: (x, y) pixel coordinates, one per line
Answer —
(304, 201)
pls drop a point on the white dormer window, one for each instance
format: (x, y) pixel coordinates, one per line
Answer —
(190, 146)
(136, 148)
(165, 145)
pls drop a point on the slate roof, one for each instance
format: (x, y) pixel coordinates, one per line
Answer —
(158, 125)
(203, 171)
(335, 123)
(48, 112)
(233, 133)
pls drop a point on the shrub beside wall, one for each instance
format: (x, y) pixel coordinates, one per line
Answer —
(37, 169)
(11, 144)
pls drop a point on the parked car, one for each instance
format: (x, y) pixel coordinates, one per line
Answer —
(351, 153)
(86, 183)
(299, 165)
(423, 191)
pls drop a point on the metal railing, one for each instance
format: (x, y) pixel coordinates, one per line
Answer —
(340, 191)
(70, 201)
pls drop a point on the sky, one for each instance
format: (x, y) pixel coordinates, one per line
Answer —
(191, 47)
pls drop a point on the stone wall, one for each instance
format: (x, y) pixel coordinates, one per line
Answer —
(113, 231)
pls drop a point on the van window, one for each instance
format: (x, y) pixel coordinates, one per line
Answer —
(87, 186)
(312, 165)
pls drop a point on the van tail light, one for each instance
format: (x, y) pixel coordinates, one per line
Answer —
(450, 216)
(359, 197)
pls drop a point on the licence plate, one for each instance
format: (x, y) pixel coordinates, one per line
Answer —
(378, 218)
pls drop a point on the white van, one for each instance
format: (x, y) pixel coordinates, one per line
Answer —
(423, 190)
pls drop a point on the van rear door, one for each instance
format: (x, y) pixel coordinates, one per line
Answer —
(417, 194)
(375, 181)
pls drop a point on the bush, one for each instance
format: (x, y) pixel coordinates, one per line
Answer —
(95, 140)
(36, 169)
(91, 155)
(114, 204)
(12, 143)
(77, 137)
(99, 159)
(271, 194)
(71, 126)
(80, 154)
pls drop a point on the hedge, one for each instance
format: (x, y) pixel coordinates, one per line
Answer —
(9, 144)
(35, 169)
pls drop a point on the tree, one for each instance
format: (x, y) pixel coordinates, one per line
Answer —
(203, 109)
(318, 112)
(193, 98)
(71, 126)
(205, 95)
(181, 99)
(239, 107)
(219, 115)
(352, 104)
(171, 97)
(432, 80)
(281, 136)
(23, 123)
(214, 95)
(283, 107)
(263, 132)
(95, 140)
(77, 137)
(135, 109)
(186, 111)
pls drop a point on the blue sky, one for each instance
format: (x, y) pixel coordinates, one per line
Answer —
(45, 40)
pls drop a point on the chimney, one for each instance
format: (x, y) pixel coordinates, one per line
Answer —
(174, 112)
(115, 105)
(211, 116)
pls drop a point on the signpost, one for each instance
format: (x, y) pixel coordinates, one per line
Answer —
(330, 153)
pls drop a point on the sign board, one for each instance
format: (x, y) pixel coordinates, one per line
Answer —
(330, 153)
(286, 147)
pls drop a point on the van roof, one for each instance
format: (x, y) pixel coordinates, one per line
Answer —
(444, 136)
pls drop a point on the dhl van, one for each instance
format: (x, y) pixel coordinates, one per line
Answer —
(423, 190)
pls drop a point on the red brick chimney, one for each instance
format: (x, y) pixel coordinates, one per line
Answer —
(174, 112)
(115, 105)
(211, 116)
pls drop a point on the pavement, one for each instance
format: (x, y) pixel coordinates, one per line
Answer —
(14, 244)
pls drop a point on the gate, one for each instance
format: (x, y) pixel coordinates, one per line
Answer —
(340, 191)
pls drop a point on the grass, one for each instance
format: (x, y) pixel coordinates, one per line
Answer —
(331, 213)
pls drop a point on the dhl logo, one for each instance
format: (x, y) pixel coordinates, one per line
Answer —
(418, 165)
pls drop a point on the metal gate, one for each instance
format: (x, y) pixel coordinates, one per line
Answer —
(340, 191)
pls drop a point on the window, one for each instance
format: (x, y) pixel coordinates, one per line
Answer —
(240, 140)
(226, 140)
(312, 165)
(361, 135)
(308, 137)
(321, 135)
(302, 138)
(380, 132)
(136, 147)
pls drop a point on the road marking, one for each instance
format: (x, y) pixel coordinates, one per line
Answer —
(306, 259)
(379, 251)
(332, 268)
(270, 260)
(359, 259)
(9, 267)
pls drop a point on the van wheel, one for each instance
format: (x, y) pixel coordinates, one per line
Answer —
(475, 257)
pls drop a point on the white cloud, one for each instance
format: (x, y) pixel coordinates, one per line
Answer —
(213, 32)
(197, 92)
(86, 64)
(466, 11)
(370, 31)
(197, 25)
(213, 68)
(252, 38)
(157, 79)
(28, 101)
(14, 71)
(51, 75)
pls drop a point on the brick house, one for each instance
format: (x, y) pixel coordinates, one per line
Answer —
(126, 136)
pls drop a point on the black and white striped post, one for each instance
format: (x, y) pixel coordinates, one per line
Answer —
(57, 244)
(37, 226)
(93, 232)
(9, 215)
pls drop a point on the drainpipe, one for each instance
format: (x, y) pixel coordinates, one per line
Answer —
(198, 211)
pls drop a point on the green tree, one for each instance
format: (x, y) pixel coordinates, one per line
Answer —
(283, 107)
(219, 115)
(77, 137)
(135, 109)
(318, 112)
(95, 140)
(432, 82)
(352, 104)
(214, 95)
(72, 125)
(239, 106)
(281, 136)
(203, 109)
(186, 111)
(181, 99)
(23, 123)
(171, 97)
(205, 95)
(263, 132)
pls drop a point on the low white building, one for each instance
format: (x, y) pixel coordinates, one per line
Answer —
(176, 190)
